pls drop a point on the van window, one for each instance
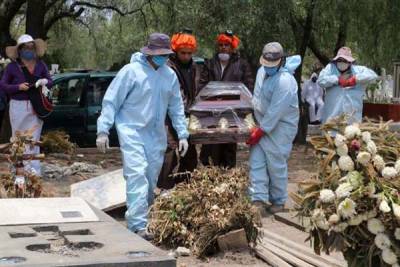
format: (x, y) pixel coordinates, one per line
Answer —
(68, 92)
(96, 89)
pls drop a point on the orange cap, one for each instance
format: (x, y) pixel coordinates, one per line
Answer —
(233, 40)
(183, 40)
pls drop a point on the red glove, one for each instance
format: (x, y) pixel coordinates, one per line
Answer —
(255, 136)
(351, 81)
(347, 82)
(342, 81)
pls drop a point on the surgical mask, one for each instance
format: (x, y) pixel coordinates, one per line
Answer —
(342, 66)
(27, 54)
(224, 56)
(270, 71)
(159, 60)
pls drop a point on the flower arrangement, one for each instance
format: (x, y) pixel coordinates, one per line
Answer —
(354, 203)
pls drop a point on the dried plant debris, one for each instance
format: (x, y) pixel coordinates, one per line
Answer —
(195, 214)
(19, 180)
(354, 202)
(57, 142)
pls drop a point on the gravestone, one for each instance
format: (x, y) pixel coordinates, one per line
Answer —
(104, 242)
(105, 192)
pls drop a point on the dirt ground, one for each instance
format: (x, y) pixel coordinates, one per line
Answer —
(301, 166)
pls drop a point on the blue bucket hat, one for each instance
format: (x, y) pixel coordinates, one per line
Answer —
(158, 44)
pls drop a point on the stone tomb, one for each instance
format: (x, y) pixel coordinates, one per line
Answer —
(96, 243)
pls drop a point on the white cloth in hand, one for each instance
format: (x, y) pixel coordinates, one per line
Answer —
(41, 82)
(45, 91)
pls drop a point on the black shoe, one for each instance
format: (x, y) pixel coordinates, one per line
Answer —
(145, 234)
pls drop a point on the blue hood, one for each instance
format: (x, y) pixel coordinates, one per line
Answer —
(292, 63)
(139, 57)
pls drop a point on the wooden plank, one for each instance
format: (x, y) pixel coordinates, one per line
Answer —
(233, 240)
(297, 249)
(270, 257)
(289, 218)
(285, 255)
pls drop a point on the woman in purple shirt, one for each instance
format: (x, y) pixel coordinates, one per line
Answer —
(27, 54)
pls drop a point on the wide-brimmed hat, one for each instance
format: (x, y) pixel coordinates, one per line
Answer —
(158, 44)
(344, 53)
(40, 46)
(272, 54)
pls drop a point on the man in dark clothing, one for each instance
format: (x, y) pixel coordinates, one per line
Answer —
(184, 45)
(226, 65)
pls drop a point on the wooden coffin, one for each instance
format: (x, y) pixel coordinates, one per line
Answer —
(221, 114)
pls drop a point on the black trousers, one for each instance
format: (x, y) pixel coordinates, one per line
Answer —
(186, 164)
(222, 155)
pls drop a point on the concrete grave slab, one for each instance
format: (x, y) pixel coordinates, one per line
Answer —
(105, 192)
(16, 211)
(103, 243)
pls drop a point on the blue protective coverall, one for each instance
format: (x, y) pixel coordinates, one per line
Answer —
(276, 109)
(137, 101)
(348, 100)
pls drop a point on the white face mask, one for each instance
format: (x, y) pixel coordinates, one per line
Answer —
(224, 56)
(342, 66)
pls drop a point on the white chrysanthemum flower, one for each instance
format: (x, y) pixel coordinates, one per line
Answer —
(375, 226)
(389, 172)
(340, 140)
(397, 166)
(343, 190)
(382, 241)
(342, 150)
(366, 136)
(352, 131)
(327, 196)
(371, 147)
(356, 220)
(388, 256)
(333, 219)
(347, 208)
(340, 227)
(372, 214)
(322, 224)
(355, 179)
(346, 163)
(396, 210)
(318, 217)
(379, 163)
(318, 214)
(397, 233)
(364, 158)
(384, 206)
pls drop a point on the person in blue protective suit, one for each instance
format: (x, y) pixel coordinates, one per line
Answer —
(276, 109)
(138, 100)
(345, 85)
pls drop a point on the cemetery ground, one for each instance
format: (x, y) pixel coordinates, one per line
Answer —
(63, 170)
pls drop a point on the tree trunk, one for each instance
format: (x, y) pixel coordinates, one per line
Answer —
(8, 10)
(302, 42)
(35, 14)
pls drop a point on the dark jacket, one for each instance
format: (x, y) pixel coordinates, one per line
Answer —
(188, 91)
(237, 70)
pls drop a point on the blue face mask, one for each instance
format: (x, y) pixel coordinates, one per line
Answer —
(27, 54)
(159, 60)
(270, 71)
